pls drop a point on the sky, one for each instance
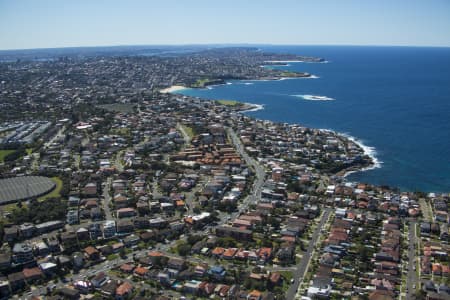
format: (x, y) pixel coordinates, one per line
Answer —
(28, 24)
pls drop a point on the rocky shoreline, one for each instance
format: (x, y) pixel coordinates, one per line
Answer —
(367, 160)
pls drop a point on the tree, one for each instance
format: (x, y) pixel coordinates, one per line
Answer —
(420, 294)
(122, 253)
(192, 239)
(183, 249)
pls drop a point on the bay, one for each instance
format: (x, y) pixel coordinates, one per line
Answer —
(393, 99)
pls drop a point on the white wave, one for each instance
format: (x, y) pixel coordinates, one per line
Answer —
(317, 62)
(296, 61)
(314, 97)
(250, 81)
(369, 151)
(284, 61)
(229, 83)
(256, 107)
(257, 80)
(308, 77)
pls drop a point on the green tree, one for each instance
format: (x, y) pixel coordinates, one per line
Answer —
(183, 249)
(122, 253)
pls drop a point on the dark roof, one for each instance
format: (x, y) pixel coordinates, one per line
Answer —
(16, 276)
(20, 188)
(69, 292)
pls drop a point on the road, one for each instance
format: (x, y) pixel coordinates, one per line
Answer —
(36, 156)
(302, 267)
(426, 210)
(412, 274)
(259, 172)
(187, 138)
(118, 161)
(191, 195)
(107, 199)
(55, 137)
(250, 199)
(108, 265)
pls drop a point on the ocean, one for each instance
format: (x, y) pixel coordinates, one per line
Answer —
(395, 100)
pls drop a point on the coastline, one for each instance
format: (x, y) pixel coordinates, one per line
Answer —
(375, 163)
(369, 151)
(176, 88)
(296, 61)
(172, 89)
(251, 107)
(283, 61)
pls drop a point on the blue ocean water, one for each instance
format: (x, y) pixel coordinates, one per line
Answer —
(394, 99)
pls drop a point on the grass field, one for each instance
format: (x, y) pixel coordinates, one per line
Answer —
(56, 192)
(201, 82)
(228, 102)
(3, 153)
(189, 131)
(8, 208)
(289, 74)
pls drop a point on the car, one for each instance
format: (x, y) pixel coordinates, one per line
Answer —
(414, 286)
(292, 280)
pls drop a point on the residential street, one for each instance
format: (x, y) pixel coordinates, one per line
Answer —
(412, 274)
(259, 172)
(107, 199)
(302, 267)
(186, 137)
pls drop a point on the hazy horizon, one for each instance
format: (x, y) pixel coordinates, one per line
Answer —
(47, 24)
(221, 45)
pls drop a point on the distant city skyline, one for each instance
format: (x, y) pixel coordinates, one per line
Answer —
(31, 24)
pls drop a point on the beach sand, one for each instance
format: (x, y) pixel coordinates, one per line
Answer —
(172, 89)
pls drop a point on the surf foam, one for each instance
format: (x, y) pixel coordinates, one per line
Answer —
(369, 151)
(256, 107)
(314, 97)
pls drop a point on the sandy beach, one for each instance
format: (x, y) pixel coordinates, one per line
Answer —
(172, 89)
